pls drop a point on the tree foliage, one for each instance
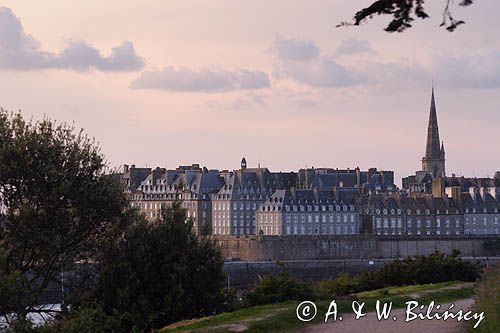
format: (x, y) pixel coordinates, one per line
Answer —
(404, 12)
(57, 201)
(153, 274)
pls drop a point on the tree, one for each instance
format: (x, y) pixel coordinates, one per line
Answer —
(58, 203)
(404, 12)
(156, 273)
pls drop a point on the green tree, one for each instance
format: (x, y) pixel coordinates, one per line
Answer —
(58, 203)
(404, 12)
(156, 273)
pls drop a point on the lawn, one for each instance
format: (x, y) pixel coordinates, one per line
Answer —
(281, 317)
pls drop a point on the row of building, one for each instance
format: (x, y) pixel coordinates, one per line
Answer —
(250, 201)
(253, 201)
(227, 202)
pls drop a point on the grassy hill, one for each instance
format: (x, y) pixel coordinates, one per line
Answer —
(281, 317)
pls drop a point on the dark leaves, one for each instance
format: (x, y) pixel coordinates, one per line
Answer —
(403, 13)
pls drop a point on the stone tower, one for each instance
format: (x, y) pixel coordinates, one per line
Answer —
(434, 159)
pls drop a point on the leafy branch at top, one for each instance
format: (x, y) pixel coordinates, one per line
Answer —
(404, 12)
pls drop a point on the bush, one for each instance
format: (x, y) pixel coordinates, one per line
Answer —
(433, 268)
(278, 288)
(86, 320)
(340, 286)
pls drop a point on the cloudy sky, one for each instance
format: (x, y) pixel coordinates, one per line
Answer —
(175, 82)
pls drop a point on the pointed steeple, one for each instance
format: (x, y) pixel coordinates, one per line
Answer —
(432, 149)
(434, 159)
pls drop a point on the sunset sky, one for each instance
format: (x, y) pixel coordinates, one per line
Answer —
(176, 82)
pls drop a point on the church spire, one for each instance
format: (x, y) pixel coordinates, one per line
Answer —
(433, 149)
(434, 159)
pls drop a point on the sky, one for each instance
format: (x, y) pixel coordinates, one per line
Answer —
(165, 83)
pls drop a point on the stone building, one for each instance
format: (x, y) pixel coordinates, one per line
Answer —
(308, 212)
(386, 215)
(427, 215)
(191, 185)
(481, 214)
(235, 204)
(371, 180)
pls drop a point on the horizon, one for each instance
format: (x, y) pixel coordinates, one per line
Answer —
(210, 82)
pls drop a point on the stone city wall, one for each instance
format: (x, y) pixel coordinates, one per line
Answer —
(286, 248)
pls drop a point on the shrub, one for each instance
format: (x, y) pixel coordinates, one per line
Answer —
(340, 286)
(86, 320)
(434, 268)
(278, 288)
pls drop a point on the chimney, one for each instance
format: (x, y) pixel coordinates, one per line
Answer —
(437, 187)
(358, 177)
(125, 168)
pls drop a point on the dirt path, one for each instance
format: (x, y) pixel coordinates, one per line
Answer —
(370, 324)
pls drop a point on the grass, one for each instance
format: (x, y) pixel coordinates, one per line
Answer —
(407, 289)
(488, 300)
(281, 317)
(231, 317)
